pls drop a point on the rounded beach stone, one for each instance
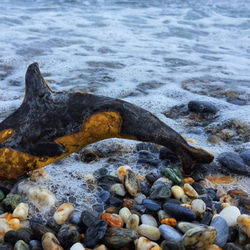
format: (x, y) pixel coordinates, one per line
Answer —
(143, 243)
(10, 237)
(50, 242)
(199, 238)
(124, 214)
(148, 219)
(133, 222)
(21, 211)
(121, 171)
(230, 214)
(88, 217)
(169, 221)
(190, 191)
(95, 233)
(198, 206)
(63, 212)
(118, 189)
(169, 233)
(11, 202)
(35, 245)
(177, 192)
(201, 107)
(171, 245)
(221, 226)
(25, 234)
(77, 246)
(131, 183)
(179, 212)
(68, 235)
(21, 245)
(161, 191)
(152, 233)
(151, 205)
(244, 223)
(185, 226)
(113, 220)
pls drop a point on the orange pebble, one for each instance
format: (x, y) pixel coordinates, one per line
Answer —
(156, 248)
(169, 221)
(113, 220)
(189, 180)
(8, 217)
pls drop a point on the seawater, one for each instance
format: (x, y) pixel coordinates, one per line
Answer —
(139, 51)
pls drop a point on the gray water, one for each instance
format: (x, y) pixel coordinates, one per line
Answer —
(155, 54)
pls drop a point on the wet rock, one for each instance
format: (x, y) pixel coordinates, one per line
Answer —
(207, 218)
(50, 242)
(244, 223)
(119, 237)
(150, 232)
(232, 246)
(107, 181)
(147, 146)
(39, 230)
(113, 220)
(148, 219)
(104, 195)
(21, 211)
(221, 226)
(75, 218)
(190, 191)
(21, 245)
(162, 191)
(133, 222)
(230, 214)
(2, 195)
(166, 153)
(131, 183)
(146, 157)
(114, 201)
(202, 107)
(118, 189)
(199, 238)
(25, 234)
(151, 205)
(11, 202)
(88, 217)
(172, 245)
(10, 237)
(95, 233)
(51, 223)
(63, 212)
(143, 243)
(174, 174)
(35, 245)
(68, 235)
(233, 163)
(179, 212)
(245, 155)
(169, 233)
(236, 101)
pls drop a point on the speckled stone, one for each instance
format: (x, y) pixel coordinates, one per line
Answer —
(199, 238)
(133, 222)
(131, 183)
(11, 202)
(169, 233)
(222, 229)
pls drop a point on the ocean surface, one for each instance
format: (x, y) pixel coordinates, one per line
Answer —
(156, 54)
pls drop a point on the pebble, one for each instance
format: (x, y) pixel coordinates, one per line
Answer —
(172, 245)
(88, 217)
(113, 220)
(10, 237)
(190, 191)
(198, 206)
(174, 174)
(11, 202)
(230, 214)
(21, 245)
(222, 228)
(177, 192)
(169, 233)
(63, 212)
(118, 189)
(199, 238)
(77, 246)
(21, 211)
(124, 214)
(68, 235)
(185, 226)
(35, 245)
(149, 220)
(162, 191)
(50, 242)
(245, 155)
(133, 222)
(131, 183)
(201, 107)
(25, 234)
(151, 205)
(169, 221)
(179, 212)
(145, 244)
(244, 224)
(152, 233)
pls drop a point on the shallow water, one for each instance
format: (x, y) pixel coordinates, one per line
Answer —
(155, 54)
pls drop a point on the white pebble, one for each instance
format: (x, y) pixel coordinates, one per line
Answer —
(230, 214)
(152, 233)
(244, 223)
(63, 212)
(124, 214)
(77, 246)
(42, 198)
(133, 222)
(21, 211)
(145, 244)
(198, 206)
(4, 228)
(177, 192)
(118, 189)
(148, 219)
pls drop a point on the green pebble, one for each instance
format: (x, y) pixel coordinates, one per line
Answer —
(11, 202)
(173, 174)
